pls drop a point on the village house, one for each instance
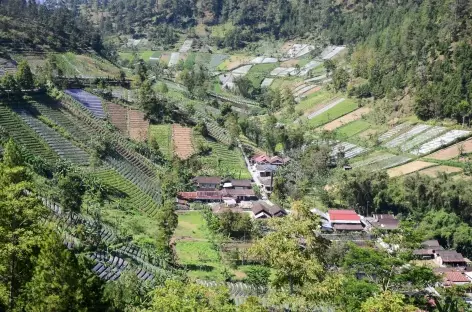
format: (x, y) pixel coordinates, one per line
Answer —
(449, 258)
(237, 184)
(266, 210)
(385, 222)
(265, 170)
(344, 220)
(455, 278)
(225, 195)
(207, 183)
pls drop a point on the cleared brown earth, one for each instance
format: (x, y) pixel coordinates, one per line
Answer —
(355, 115)
(452, 151)
(409, 168)
(182, 141)
(435, 171)
(119, 117)
(138, 126)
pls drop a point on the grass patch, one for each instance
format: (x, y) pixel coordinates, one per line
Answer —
(191, 223)
(221, 30)
(339, 110)
(352, 128)
(199, 257)
(258, 72)
(162, 134)
(221, 161)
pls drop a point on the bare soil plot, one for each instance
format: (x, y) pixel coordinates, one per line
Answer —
(434, 171)
(355, 115)
(314, 90)
(236, 61)
(119, 117)
(452, 151)
(409, 168)
(289, 63)
(182, 141)
(138, 126)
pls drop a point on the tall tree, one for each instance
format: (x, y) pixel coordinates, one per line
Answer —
(20, 229)
(24, 76)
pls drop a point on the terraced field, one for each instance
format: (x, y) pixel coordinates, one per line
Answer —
(127, 191)
(162, 135)
(138, 125)
(333, 113)
(64, 148)
(221, 161)
(24, 135)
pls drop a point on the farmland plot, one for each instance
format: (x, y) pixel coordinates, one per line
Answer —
(186, 46)
(444, 140)
(89, 101)
(435, 171)
(350, 150)
(331, 51)
(60, 145)
(174, 59)
(162, 135)
(298, 50)
(453, 151)
(138, 125)
(24, 135)
(243, 70)
(305, 69)
(264, 60)
(406, 136)
(217, 59)
(284, 72)
(325, 108)
(372, 160)
(355, 115)
(423, 137)
(119, 117)
(393, 132)
(409, 168)
(182, 141)
(266, 82)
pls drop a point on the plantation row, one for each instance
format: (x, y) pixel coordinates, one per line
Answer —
(236, 289)
(24, 135)
(122, 146)
(141, 180)
(108, 266)
(60, 145)
(55, 112)
(132, 195)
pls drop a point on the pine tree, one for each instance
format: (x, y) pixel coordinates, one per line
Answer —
(24, 76)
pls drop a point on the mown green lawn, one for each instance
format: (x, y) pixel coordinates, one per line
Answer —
(352, 128)
(339, 110)
(162, 134)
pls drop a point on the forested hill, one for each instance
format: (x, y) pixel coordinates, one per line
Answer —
(415, 47)
(26, 26)
(419, 45)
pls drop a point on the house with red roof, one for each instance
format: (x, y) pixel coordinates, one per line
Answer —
(455, 278)
(345, 220)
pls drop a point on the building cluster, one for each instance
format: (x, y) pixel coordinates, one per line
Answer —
(264, 168)
(347, 220)
(450, 265)
(229, 195)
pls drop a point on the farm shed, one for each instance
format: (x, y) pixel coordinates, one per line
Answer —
(265, 210)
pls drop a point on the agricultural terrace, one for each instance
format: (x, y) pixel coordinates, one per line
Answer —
(437, 170)
(74, 65)
(346, 119)
(24, 135)
(234, 61)
(336, 109)
(118, 117)
(126, 193)
(453, 151)
(409, 168)
(138, 125)
(352, 129)
(162, 134)
(221, 160)
(258, 72)
(182, 141)
(314, 102)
